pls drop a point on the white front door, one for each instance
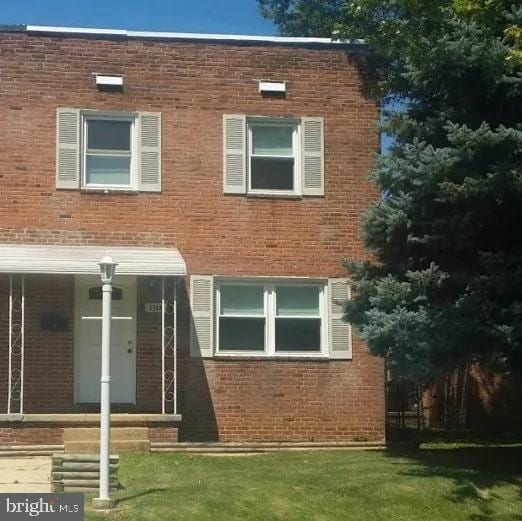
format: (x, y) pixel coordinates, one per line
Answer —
(88, 340)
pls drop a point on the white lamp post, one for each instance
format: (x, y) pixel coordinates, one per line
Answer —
(107, 268)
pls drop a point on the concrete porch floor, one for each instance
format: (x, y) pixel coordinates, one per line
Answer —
(91, 418)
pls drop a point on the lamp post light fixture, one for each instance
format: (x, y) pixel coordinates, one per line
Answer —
(107, 269)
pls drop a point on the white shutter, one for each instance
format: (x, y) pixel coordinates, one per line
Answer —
(340, 331)
(234, 154)
(68, 137)
(312, 153)
(149, 163)
(202, 306)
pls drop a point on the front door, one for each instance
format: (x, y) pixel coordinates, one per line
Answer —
(88, 340)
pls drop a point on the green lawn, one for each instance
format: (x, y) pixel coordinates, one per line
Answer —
(442, 483)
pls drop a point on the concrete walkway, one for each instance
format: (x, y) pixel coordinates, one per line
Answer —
(25, 474)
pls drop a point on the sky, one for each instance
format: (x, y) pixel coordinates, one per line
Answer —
(200, 16)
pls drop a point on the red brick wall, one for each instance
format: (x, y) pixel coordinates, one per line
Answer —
(163, 434)
(280, 400)
(39, 434)
(30, 434)
(283, 401)
(49, 356)
(193, 85)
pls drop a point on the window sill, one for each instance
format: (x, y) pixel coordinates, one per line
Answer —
(122, 191)
(273, 358)
(272, 195)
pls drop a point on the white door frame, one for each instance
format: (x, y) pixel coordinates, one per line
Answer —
(85, 280)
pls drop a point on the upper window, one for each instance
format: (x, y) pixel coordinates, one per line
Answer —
(273, 158)
(108, 152)
(271, 319)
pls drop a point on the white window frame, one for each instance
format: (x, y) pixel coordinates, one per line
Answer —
(132, 119)
(270, 314)
(296, 141)
(242, 315)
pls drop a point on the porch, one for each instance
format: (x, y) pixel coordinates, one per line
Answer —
(50, 332)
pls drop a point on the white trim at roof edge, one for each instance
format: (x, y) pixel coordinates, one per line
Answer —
(159, 35)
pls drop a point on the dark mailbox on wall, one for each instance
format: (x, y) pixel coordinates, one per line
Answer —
(54, 322)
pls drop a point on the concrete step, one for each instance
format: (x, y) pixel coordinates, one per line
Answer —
(83, 458)
(117, 446)
(252, 448)
(56, 448)
(117, 434)
(29, 450)
(24, 453)
(81, 472)
(123, 439)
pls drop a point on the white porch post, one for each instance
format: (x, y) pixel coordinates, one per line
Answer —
(104, 501)
(105, 389)
(168, 346)
(15, 386)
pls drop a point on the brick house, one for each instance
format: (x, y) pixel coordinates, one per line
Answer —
(228, 205)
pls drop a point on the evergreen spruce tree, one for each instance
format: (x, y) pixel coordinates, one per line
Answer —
(445, 283)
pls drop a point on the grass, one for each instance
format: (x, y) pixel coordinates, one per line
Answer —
(439, 482)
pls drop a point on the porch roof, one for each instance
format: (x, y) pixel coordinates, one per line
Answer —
(83, 260)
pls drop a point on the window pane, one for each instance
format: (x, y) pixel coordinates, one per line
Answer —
(107, 170)
(272, 174)
(242, 300)
(108, 135)
(297, 301)
(272, 140)
(241, 334)
(294, 334)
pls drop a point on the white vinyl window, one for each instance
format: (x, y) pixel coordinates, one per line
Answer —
(298, 318)
(109, 152)
(273, 162)
(271, 318)
(242, 318)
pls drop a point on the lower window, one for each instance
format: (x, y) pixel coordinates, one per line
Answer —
(242, 320)
(270, 318)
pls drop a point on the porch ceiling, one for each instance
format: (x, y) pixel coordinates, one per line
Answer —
(83, 260)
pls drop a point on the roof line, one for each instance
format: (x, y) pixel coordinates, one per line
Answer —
(159, 35)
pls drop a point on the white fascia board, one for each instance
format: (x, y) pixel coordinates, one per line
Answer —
(74, 30)
(186, 36)
(229, 37)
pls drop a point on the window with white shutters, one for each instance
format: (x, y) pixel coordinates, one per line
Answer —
(340, 330)
(273, 157)
(258, 317)
(108, 151)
